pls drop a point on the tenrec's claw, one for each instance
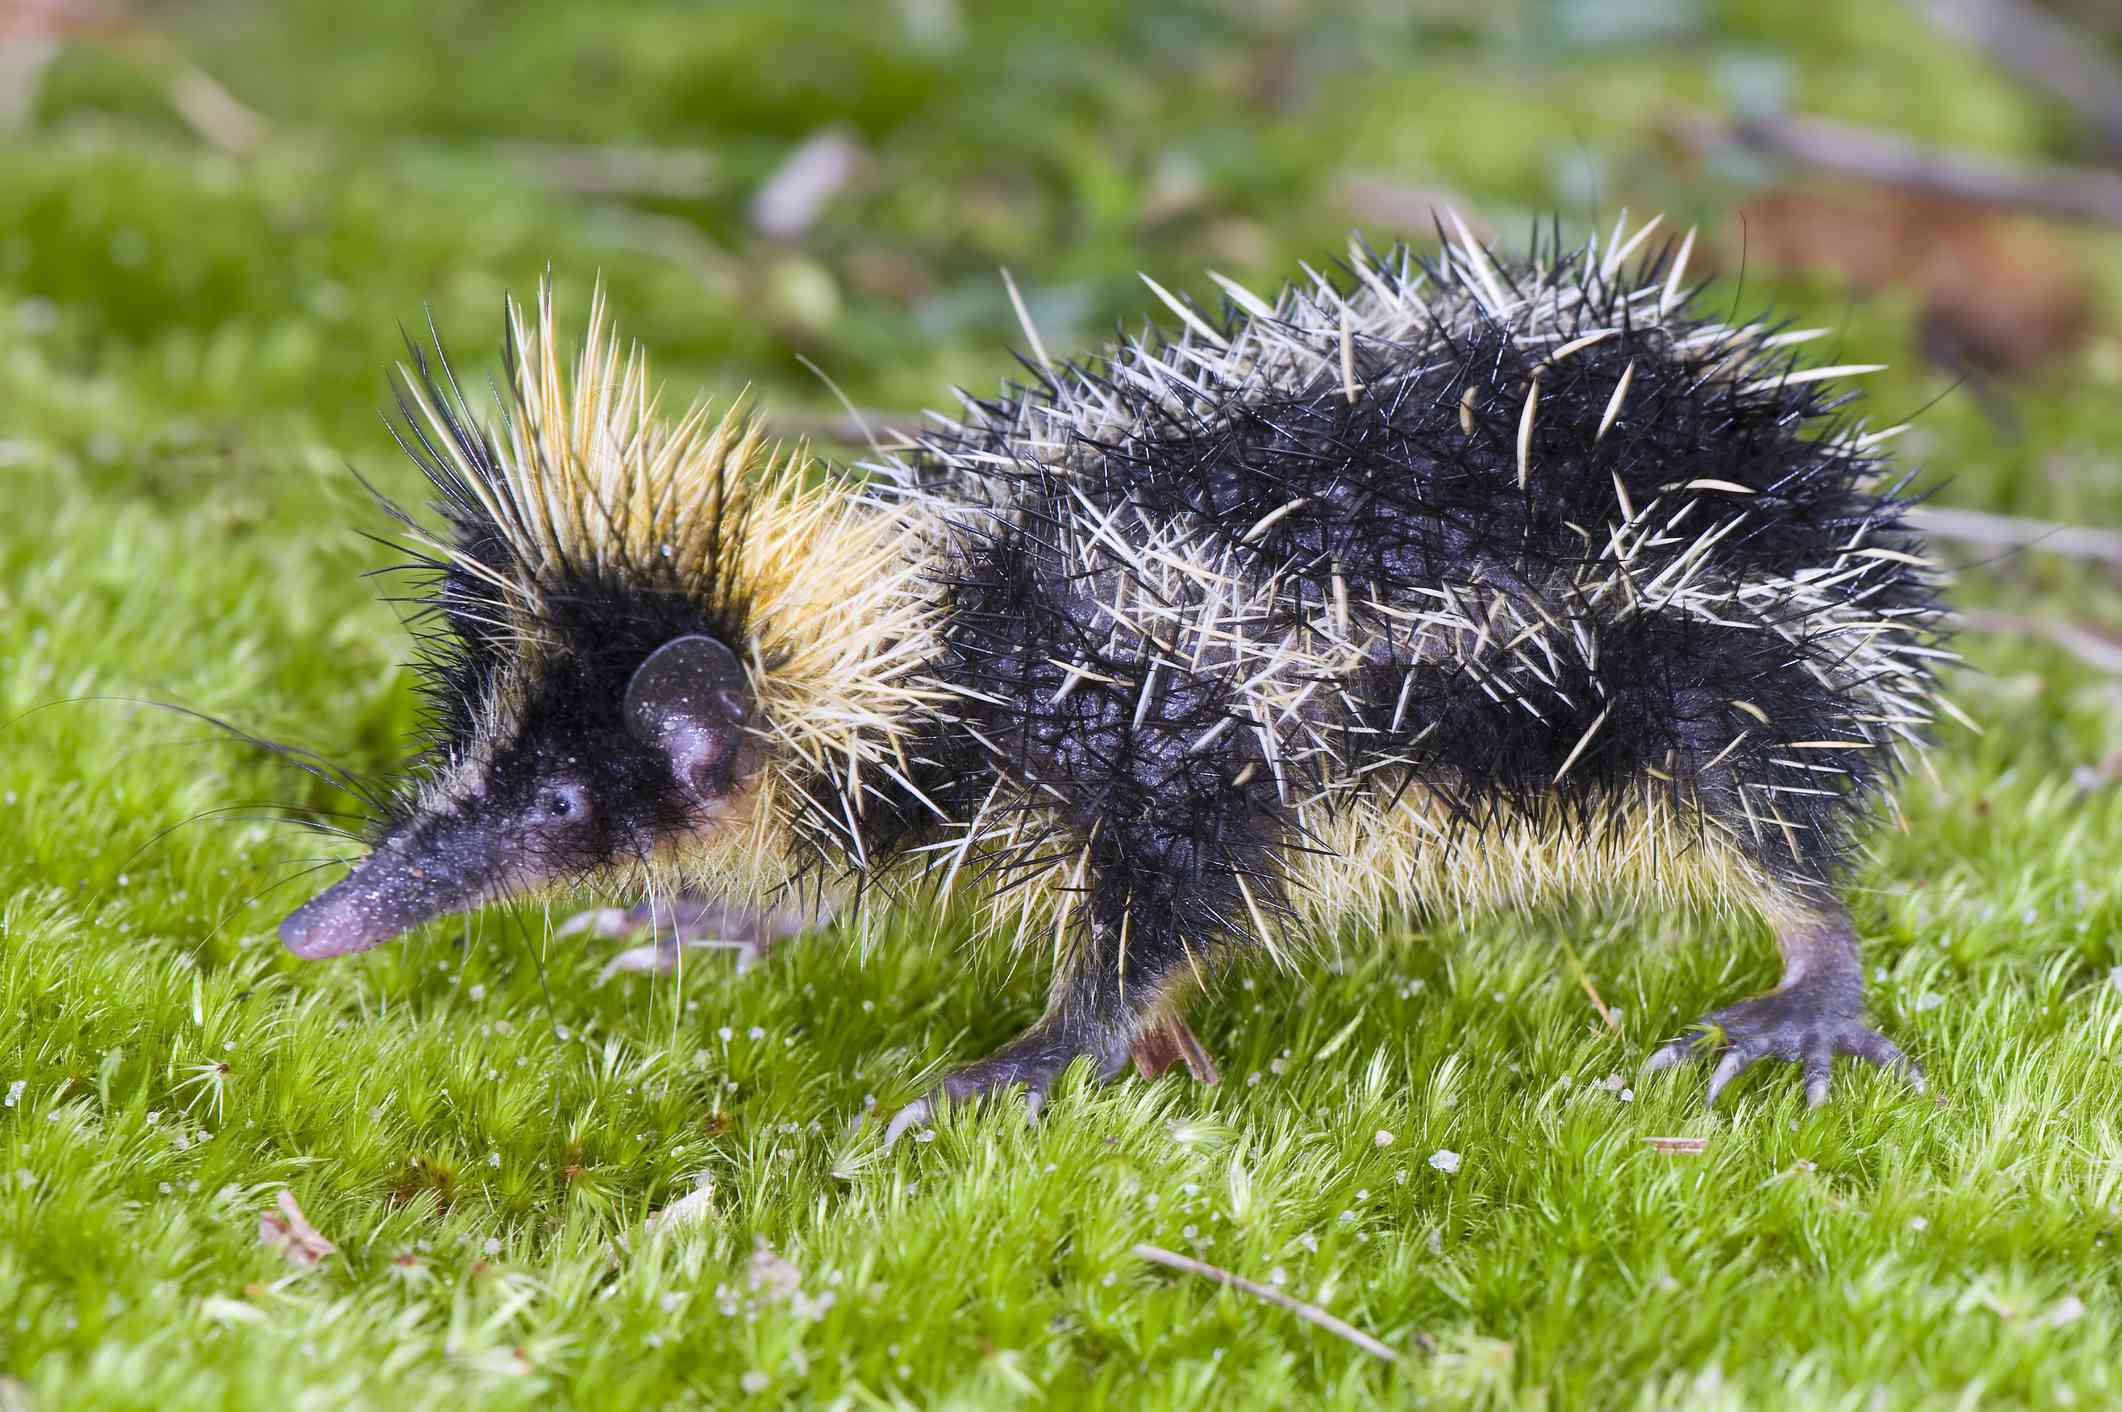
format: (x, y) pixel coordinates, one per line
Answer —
(1793, 1024)
(599, 921)
(914, 1115)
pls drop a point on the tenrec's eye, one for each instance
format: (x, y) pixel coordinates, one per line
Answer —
(564, 801)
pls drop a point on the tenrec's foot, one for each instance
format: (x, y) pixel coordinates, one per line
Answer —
(1807, 1022)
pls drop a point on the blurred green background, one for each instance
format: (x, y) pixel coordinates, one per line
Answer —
(215, 221)
(251, 264)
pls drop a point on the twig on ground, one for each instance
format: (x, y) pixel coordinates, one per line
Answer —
(1310, 1313)
(2041, 47)
(1585, 980)
(2096, 647)
(821, 167)
(2074, 193)
(2011, 532)
(1679, 1146)
(214, 113)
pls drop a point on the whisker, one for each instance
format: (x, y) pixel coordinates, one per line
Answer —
(236, 810)
(301, 757)
(230, 915)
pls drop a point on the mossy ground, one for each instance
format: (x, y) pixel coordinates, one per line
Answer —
(191, 350)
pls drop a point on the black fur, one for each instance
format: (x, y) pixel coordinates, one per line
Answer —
(1186, 848)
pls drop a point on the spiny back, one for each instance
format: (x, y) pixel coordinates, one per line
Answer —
(1528, 532)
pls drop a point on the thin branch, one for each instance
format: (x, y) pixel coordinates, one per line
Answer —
(2074, 193)
(2043, 48)
(1585, 980)
(2096, 647)
(793, 199)
(1310, 1313)
(2011, 532)
(214, 113)
(1679, 1146)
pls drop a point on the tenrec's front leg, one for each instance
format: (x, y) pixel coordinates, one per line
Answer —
(1117, 995)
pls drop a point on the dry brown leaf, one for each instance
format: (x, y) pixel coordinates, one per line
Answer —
(2001, 295)
(289, 1229)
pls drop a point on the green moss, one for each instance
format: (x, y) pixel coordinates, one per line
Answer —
(192, 353)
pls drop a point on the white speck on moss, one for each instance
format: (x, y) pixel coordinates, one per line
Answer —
(1929, 1000)
(1444, 1160)
(14, 1091)
(1382, 1139)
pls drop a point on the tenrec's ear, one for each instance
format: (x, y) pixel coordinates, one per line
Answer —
(690, 699)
